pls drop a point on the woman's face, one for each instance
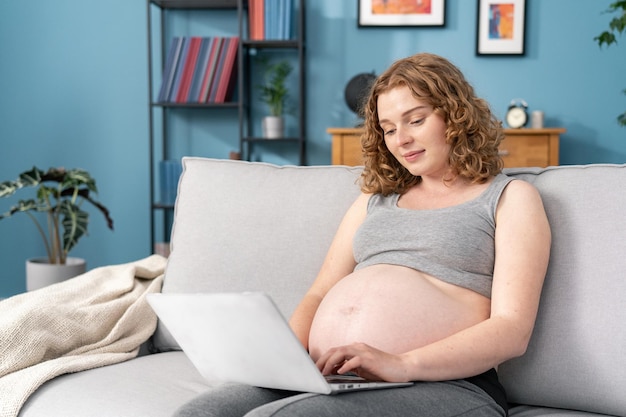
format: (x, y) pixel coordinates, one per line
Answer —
(414, 133)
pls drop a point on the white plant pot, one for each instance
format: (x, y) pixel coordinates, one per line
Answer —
(40, 273)
(273, 127)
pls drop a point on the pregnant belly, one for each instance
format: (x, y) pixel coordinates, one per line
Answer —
(392, 308)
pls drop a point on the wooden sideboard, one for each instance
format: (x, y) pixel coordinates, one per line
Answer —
(520, 147)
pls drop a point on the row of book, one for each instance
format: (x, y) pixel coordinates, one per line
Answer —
(199, 70)
(270, 19)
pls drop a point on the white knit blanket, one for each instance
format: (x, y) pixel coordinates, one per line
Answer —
(96, 319)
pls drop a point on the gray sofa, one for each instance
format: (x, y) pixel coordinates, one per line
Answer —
(254, 226)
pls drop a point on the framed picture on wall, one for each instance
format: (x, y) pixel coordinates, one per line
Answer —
(501, 27)
(398, 13)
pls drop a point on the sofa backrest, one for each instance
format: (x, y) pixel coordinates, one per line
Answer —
(243, 226)
(577, 355)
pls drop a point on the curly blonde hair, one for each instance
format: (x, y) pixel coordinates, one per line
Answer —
(473, 132)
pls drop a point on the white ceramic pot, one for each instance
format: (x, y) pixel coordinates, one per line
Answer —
(273, 127)
(40, 273)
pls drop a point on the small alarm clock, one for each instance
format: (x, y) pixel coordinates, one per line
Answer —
(517, 114)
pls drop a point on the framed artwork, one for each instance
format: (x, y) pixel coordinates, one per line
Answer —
(398, 13)
(501, 27)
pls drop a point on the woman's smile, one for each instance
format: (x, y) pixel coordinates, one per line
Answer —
(414, 133)
(412, 156)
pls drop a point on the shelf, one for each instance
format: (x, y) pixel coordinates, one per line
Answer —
(195, 4)
(230, 104)
(269, 44)
(267, 140)
(161, 206)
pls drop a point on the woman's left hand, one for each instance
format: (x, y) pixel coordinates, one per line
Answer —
(365, 361)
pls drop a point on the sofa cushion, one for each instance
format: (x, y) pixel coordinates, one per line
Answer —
(152, 385)
(576, 358)
(273, 226)
(528, 411)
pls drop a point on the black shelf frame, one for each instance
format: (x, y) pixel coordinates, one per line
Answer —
(241, 104)
(245, 94)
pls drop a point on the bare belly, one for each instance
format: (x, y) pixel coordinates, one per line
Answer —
(393, 308)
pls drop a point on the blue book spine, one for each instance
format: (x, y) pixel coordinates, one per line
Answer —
(180, 67)
(169, 175)
(270, 16)
(198, 73)
(207, 79)
(170, 69)
(288, 19)
(280, 23)
(166, 69)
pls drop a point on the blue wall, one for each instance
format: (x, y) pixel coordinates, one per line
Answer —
(74, 93)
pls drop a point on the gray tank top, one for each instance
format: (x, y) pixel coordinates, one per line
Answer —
(454, 244)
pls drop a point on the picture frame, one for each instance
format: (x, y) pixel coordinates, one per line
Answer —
(501, 27)
(401, 13)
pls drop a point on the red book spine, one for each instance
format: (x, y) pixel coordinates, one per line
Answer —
(251, 21)
(256, 20)
(260, 19)
(221, 58)
(190, 64)
(226, 77)
(211, 69)
(206, 76)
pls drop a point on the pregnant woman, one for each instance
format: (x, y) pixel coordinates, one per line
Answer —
(435, 272)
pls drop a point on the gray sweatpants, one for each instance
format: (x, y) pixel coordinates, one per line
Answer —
(432, 399)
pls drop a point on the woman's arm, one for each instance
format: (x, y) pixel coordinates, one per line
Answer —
(338, 263)
(522, 245)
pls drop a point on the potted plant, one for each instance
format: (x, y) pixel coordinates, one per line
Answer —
(617, 25)
(274, 94)
(60, 195)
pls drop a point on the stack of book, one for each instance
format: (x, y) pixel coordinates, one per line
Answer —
(200, 70)
(270, 19)
(169, 175)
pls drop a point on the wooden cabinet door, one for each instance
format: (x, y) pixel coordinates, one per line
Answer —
(525, 151)
(530, 147)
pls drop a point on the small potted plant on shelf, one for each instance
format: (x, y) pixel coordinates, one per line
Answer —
(60, 195)
(274, 94)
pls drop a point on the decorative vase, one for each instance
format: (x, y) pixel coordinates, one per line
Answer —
(40, 273)
(273, 127)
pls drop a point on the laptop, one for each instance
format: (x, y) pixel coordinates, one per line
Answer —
(243, 338)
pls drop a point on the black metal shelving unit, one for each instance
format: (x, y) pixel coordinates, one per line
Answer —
(297, 45)
(241, 103)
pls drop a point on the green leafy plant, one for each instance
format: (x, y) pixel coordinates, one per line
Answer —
(60, 194)
(274, 92)
(617, 25)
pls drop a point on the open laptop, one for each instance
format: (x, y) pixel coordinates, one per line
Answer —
(243, 338)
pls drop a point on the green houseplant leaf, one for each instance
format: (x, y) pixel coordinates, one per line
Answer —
(617, 25)
(60, 195)
(274, 92)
